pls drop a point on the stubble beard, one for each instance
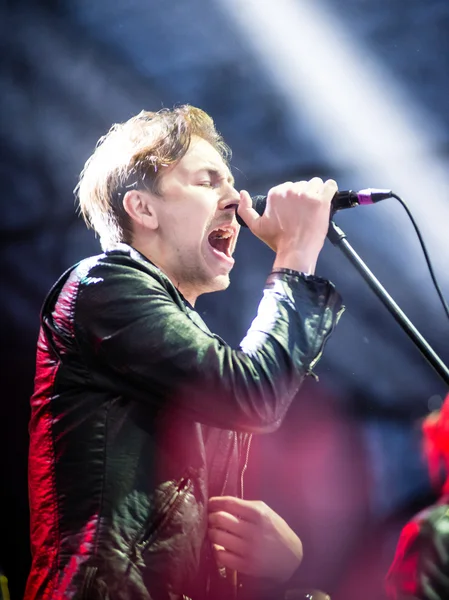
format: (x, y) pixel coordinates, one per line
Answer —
(198, 279)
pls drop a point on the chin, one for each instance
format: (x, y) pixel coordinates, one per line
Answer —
(224, 282)
(220, 283)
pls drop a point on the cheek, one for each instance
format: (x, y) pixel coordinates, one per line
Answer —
(188, 228)
(190, 239)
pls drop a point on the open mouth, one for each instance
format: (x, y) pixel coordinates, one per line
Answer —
(220, 240)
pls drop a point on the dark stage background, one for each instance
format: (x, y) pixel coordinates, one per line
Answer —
(351, 89)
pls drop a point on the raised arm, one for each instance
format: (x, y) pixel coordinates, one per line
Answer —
(132, 324)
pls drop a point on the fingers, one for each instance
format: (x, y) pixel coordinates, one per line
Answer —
(233, 552)
(229, 541)
(246, 211)
(233, 538)
(252, 511)
(250, 537)
(315, 187)
(330, 188)
(229, 522)
(321, 189)
(231, 561)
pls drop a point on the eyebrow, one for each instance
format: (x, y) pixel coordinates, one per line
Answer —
(217, 172)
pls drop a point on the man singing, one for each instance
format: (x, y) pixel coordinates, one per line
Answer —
(141, 417)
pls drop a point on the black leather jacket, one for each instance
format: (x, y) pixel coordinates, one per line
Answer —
(140, 414)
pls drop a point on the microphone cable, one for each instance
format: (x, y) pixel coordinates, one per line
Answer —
(425, 252)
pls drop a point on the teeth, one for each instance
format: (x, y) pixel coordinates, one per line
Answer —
(222, 234)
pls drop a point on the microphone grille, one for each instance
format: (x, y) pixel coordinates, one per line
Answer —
(259, 204)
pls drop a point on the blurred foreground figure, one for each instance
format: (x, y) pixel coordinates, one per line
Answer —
(141, 417)
(420, 570)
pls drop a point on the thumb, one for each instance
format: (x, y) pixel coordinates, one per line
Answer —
(246, 211)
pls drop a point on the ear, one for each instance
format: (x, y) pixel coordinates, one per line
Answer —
(139, 206)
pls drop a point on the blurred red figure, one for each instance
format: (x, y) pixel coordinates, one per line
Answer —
(420, 569)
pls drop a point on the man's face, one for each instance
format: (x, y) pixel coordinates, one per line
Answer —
(197, 228)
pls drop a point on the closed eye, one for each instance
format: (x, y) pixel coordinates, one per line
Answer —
(215, 178)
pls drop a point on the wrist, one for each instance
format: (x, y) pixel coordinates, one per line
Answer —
(295, 261)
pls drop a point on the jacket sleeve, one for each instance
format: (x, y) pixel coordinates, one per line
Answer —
(144, 345)
(420, 569)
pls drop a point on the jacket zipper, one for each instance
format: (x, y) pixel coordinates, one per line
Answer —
(232, 574)
(170, 506)
(245, 466)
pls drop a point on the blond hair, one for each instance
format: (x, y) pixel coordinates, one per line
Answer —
(132, 156)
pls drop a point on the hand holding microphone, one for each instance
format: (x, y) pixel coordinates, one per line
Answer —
(341, 200)
(295, 221)
(250, 208)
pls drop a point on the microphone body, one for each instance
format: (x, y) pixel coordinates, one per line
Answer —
(341, 200)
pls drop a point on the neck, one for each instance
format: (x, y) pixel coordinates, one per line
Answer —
(188, 292)
(190, 297)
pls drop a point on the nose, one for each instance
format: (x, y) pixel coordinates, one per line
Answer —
(230, 199)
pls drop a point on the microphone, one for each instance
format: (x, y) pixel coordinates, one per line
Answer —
(341, 200)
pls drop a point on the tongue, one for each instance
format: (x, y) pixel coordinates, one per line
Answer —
(219, 244)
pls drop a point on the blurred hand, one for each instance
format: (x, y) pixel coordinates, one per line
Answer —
(295, 221)
(249, 537)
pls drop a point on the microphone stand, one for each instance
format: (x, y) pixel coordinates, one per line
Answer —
(338, 238)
